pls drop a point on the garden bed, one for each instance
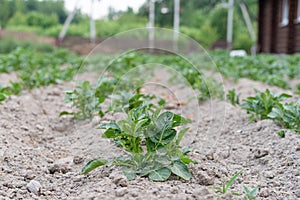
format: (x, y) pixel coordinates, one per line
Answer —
(37, 144)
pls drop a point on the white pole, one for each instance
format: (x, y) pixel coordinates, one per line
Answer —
(176, 23)
(248, 21)
(230, 24)
(92, 24)
(67, 23)
(249, 27)
(151, 23)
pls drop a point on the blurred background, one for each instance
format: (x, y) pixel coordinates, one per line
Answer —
(42, 21)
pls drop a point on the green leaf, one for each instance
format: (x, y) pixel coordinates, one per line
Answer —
(284, 96)
(164, 121)
(164, 159)
(179, 121)
(275, 114)
(2, 97)
(186, 160)
(111, 125)
(168, 135)
(281, 133)
(93, 164)
(126, 126)
(63, 113)
(181, 133)
(187, 150)
(161, 174)
(129, 173)
(146, 170)
(164, 136)
(230, 182)
(217, 188)
(140, 124)
(110, 133)
(181, 170)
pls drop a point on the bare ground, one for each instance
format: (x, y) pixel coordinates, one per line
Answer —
(37, 144)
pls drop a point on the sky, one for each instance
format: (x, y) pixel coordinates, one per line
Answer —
(100, 8)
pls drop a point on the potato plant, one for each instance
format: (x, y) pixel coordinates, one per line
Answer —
(152, 144)
(261, 105)
(266, 105)
(288, 115)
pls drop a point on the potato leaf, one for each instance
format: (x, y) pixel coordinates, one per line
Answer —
(161, 174)
(164, 121)
(129, 173)
(93, 164)
(180, 169)
(179, 121)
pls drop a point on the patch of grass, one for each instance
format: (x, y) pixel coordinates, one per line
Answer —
(224, 188)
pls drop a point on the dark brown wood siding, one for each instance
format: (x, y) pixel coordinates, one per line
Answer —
(297, 38)
(297, 33)
(273, 37)
(265, 25)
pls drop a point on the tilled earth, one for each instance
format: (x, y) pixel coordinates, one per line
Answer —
(36, 144)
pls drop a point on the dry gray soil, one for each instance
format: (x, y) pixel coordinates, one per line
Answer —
(37, 144)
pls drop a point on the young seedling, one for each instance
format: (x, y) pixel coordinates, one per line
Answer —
(152, 142)
(233, 97)
(226, 185)
(281, 133)
(250, 193)
(85, 102)
(13, 89)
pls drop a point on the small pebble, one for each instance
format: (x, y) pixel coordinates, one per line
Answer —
(34, 187)
(269, 174)
(78, 160)
(120, 192)
(39, 127)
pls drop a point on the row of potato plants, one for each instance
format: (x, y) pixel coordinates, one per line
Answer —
(35, 69)
(275, 70)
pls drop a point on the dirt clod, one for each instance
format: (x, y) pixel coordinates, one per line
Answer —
(203, 179)
(78, 160)
(58, 168)
(260, 153)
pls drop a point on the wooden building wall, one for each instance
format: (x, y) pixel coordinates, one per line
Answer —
(274, 37)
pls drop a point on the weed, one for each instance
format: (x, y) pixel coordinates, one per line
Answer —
(226, 185)
(281, 133)
(250, 193)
